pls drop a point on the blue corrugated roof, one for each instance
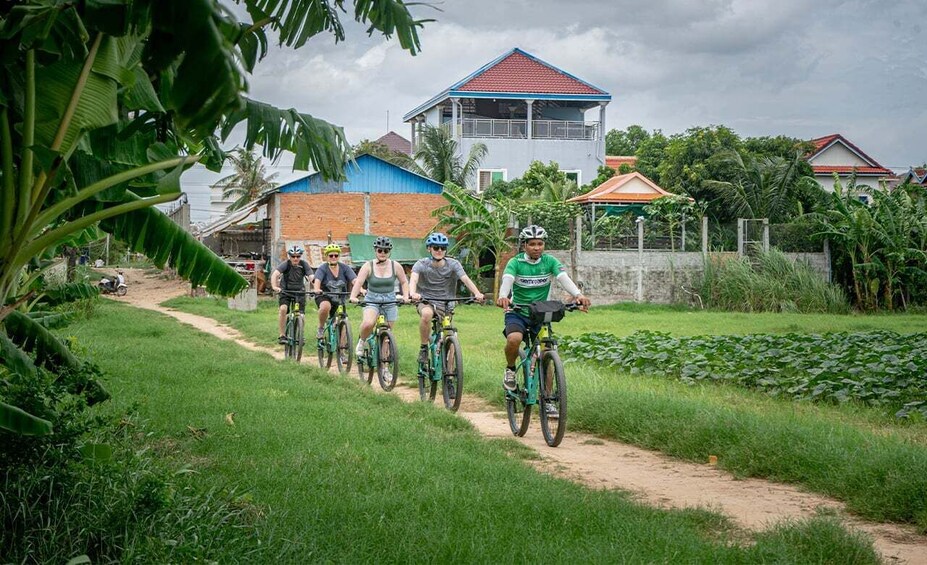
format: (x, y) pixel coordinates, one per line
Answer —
(367, 174)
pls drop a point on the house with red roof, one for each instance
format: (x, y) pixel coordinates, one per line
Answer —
(915, 175)
(835, 154)
(523, 109)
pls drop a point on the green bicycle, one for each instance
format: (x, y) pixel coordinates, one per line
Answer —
(336, 340)
(445, 358)
(380, 352)
(295, 323)
(543, 381)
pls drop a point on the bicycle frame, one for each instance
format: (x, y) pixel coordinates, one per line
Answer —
(441, 326)
(535, 346)
(373, 344)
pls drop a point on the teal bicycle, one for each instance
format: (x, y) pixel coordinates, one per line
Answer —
(543, 381)
(380, 353)
(336, 341)
(445, 358)
(295, 325)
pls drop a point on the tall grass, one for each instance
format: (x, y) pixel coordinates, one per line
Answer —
(769, 282)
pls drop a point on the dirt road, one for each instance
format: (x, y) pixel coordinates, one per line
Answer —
(654, 478)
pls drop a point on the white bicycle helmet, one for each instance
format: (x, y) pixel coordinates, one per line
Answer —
(295, 250)
(532, 232)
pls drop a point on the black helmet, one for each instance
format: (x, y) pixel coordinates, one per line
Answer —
(383, 242)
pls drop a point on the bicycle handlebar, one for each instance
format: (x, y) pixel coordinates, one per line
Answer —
(459, 299)
(568, 306)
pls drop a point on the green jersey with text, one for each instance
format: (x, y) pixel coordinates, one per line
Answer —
(532, 280)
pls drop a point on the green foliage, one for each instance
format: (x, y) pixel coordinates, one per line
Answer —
(875, 368)
(879, 249)
(436, 157)
(512, 190)
(673, 211)
(774, 283)
(627, 142)
(650, 156)
(690, 159)
(604, 173)
(539, 177)
(365, 146)
(616, 225)
(558, 218)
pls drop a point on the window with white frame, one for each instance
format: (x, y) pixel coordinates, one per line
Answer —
(485, 178)
(575, 176)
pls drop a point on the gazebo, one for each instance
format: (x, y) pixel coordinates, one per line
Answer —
(620, 194)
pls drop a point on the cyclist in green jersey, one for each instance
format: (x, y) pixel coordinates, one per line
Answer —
(527, 278)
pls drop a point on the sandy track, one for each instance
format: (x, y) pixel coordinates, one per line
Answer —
(654, 478)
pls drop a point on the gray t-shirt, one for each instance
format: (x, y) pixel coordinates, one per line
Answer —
(438, 281)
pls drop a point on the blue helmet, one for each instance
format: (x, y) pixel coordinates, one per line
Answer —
(437, 239)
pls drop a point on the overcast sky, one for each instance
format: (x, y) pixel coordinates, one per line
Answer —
(762, 67)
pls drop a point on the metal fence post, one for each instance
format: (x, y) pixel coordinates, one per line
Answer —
(766, 235)
(704, 235)
(740, 237)
(640, 258)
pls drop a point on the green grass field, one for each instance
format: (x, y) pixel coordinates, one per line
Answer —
(864, 456)
(336, 472)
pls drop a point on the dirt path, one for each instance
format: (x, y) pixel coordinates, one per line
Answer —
(654, 478)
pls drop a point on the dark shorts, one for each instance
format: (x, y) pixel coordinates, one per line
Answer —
(334, 301)
(286, 300)
(515, 322)
(438, 308)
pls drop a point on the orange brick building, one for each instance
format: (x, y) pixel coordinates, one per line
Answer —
(378, 198)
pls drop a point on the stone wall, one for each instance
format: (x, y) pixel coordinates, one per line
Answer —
(653, 276)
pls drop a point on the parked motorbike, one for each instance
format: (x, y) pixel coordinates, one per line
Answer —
(116, 285)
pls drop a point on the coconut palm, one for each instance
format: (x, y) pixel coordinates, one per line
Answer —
(437, 157)
(247, 182)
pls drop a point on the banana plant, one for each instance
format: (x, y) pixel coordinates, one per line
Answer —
(104, 104)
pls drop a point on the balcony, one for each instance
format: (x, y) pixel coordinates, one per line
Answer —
(517, 129)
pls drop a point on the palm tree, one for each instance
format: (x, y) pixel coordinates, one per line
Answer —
(764, 188)
(437, 158)
(247, 182)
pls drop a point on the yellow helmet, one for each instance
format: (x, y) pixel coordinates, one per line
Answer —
(332, 248)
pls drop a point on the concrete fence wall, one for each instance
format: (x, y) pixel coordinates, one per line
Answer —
(652, 276)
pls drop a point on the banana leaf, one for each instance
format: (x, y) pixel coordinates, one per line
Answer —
(18, 421)
(31, 337)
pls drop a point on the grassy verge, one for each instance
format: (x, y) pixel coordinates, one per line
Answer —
(340, 473)
(866, 457)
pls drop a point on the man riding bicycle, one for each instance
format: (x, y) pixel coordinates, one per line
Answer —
(336, 277)
(527, 278)
(289, 279)
(436, 277)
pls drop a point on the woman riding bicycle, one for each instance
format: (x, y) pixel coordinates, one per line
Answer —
(336, 277)
(527, 278)
(289, 279)
(380, 275)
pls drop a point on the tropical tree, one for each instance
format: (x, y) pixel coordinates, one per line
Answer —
(437, 157)
(247, 182)
(365, 146)
(477, 224)
(763, 187)
(626, 142)
(105, 103)
(673, 211)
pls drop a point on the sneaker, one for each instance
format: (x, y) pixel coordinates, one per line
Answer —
(282, 340)
(551, 409)
(423, 355)
(320, 333)
(508, 380)
(359, 349)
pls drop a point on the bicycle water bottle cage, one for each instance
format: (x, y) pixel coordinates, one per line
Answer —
(546, 311)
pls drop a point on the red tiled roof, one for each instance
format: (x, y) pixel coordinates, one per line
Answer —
(830, 169)
(395, 142)
(606, 192)
(823, 142)
(615, 161)
(519, 73)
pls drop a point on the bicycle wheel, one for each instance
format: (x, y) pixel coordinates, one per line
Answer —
(427, 387)
(325, 356)
(290, 333)
(344, 353)
(452, 377)
(515, 402)
(388, 364)
(300, 341)
(365, 365)
(552, 401)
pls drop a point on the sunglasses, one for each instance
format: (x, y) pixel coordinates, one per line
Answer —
(333, 255)
(383, 250)
(435, 248)
(295, 256)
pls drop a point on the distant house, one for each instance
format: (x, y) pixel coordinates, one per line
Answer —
(523, 109)
(621, 193)
(395, 142)
(615, 161)
(835, 154)
(915, 175)
(377, 198)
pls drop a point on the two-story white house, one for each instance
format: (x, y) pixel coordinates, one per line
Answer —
(523, 109)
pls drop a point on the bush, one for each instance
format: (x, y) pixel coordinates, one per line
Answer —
(556, 217)
(770, 283)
